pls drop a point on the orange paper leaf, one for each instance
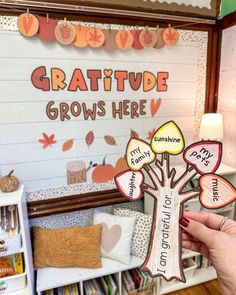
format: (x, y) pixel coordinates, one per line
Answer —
(110, 140)
(67, 145)
(134, 134)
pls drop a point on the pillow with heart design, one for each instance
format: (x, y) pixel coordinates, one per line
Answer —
(116, 236)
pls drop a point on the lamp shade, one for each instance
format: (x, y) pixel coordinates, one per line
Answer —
(211, 126)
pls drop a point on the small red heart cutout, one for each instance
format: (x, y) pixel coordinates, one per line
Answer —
(205, 156)
(130, 184)
(216, 191)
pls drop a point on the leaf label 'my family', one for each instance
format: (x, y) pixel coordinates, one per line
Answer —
(138, 153)
(204, 155)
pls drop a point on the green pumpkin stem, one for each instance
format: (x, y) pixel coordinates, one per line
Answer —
(104, 161)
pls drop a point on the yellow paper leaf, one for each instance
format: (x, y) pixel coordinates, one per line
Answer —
(168, 139)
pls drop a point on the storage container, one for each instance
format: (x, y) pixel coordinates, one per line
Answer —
(12, 283)
(147, 290)
(10, 245)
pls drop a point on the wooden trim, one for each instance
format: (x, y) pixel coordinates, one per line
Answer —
(74, 203)
(228, 21)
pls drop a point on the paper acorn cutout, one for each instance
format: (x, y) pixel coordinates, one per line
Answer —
(65, 33)
(169, 194)
(80, 36)
(27, 24)
(124, 39)
(95, 37)
(147, 38)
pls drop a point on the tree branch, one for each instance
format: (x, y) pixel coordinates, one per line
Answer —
(154, 177)
(165, 167)
(189, 194)
(172, 175)
(150, 190)
(185, 178)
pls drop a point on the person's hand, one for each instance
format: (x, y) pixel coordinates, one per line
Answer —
(205, 233)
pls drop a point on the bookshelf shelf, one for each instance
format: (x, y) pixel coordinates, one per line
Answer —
(23, 282)
(50, 277)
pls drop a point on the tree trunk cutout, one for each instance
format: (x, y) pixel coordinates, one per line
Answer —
(76, 172)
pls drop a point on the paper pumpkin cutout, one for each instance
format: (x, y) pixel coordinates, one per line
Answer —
(168, 139)
(130, 184)
(65, 33)
(27, 24)
(95, 37)
(47, 28)
(80, 36)
(110, 40)
(160, 41)
(216, 191)
(148, 38)
(124, 39)
(138, 153)
(205, 156)
(136, 43)
(170, 36)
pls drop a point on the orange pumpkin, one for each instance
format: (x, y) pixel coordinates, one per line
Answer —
(121, 165)
(103, 172)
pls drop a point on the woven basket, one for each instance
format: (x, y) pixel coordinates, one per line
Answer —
(10, 245)
(147, 290)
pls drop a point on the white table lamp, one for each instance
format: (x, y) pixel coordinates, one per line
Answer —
(211, 127)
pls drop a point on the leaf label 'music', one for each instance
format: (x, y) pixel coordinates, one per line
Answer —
(204, 155)
(138, 153)
(129, 184)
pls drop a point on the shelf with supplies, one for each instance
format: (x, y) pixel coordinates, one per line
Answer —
(16, 266)
(198, 274)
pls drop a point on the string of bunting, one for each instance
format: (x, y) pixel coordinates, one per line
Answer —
(82, 36)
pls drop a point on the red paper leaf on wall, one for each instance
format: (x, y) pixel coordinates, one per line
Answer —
(134, 134)
(89, 138)
(110, 140)
(154, 106)
(151, 133)
(67, 145)
(47, 140)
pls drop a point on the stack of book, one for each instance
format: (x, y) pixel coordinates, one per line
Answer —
(101, 286)
(11, 265)
(135, 279)
(9, 222)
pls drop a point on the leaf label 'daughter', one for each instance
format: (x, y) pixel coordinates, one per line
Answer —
(138, 153)
(168, 139)
(205, 156)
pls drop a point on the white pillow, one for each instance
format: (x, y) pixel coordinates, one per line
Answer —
(142, 231)
(116, 235)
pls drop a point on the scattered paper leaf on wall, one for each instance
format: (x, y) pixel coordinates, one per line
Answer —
(110, 140)
(67, 145)
(134, 134)
(47, 140)
(89, 138)
(151, 133)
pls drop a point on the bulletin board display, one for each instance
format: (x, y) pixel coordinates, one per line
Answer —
(67, 113)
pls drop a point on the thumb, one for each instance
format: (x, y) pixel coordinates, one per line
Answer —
(198, 230)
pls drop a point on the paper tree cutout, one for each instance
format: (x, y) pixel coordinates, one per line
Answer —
(164, 254)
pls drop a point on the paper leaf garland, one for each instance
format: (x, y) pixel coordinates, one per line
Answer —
(170, 36)
(130, 184)
(27, 24)
(148, 38)
(47, 28)
(205, 156)
(216, 192)
(168, 139)
(95, 37)
(65, 33)
(124, 39)
(138, 153)
(80, 36)
(136, 43)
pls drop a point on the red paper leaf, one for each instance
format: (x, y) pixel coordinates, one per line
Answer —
(89, 138)
(67, 145)
(134, 134)
(110, 140)
(47, 140)
(151, 133)
(154, 106)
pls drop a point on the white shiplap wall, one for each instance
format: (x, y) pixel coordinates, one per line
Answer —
(22, 106)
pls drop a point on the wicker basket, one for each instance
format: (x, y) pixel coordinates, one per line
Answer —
(147, 290)
(10, 245)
